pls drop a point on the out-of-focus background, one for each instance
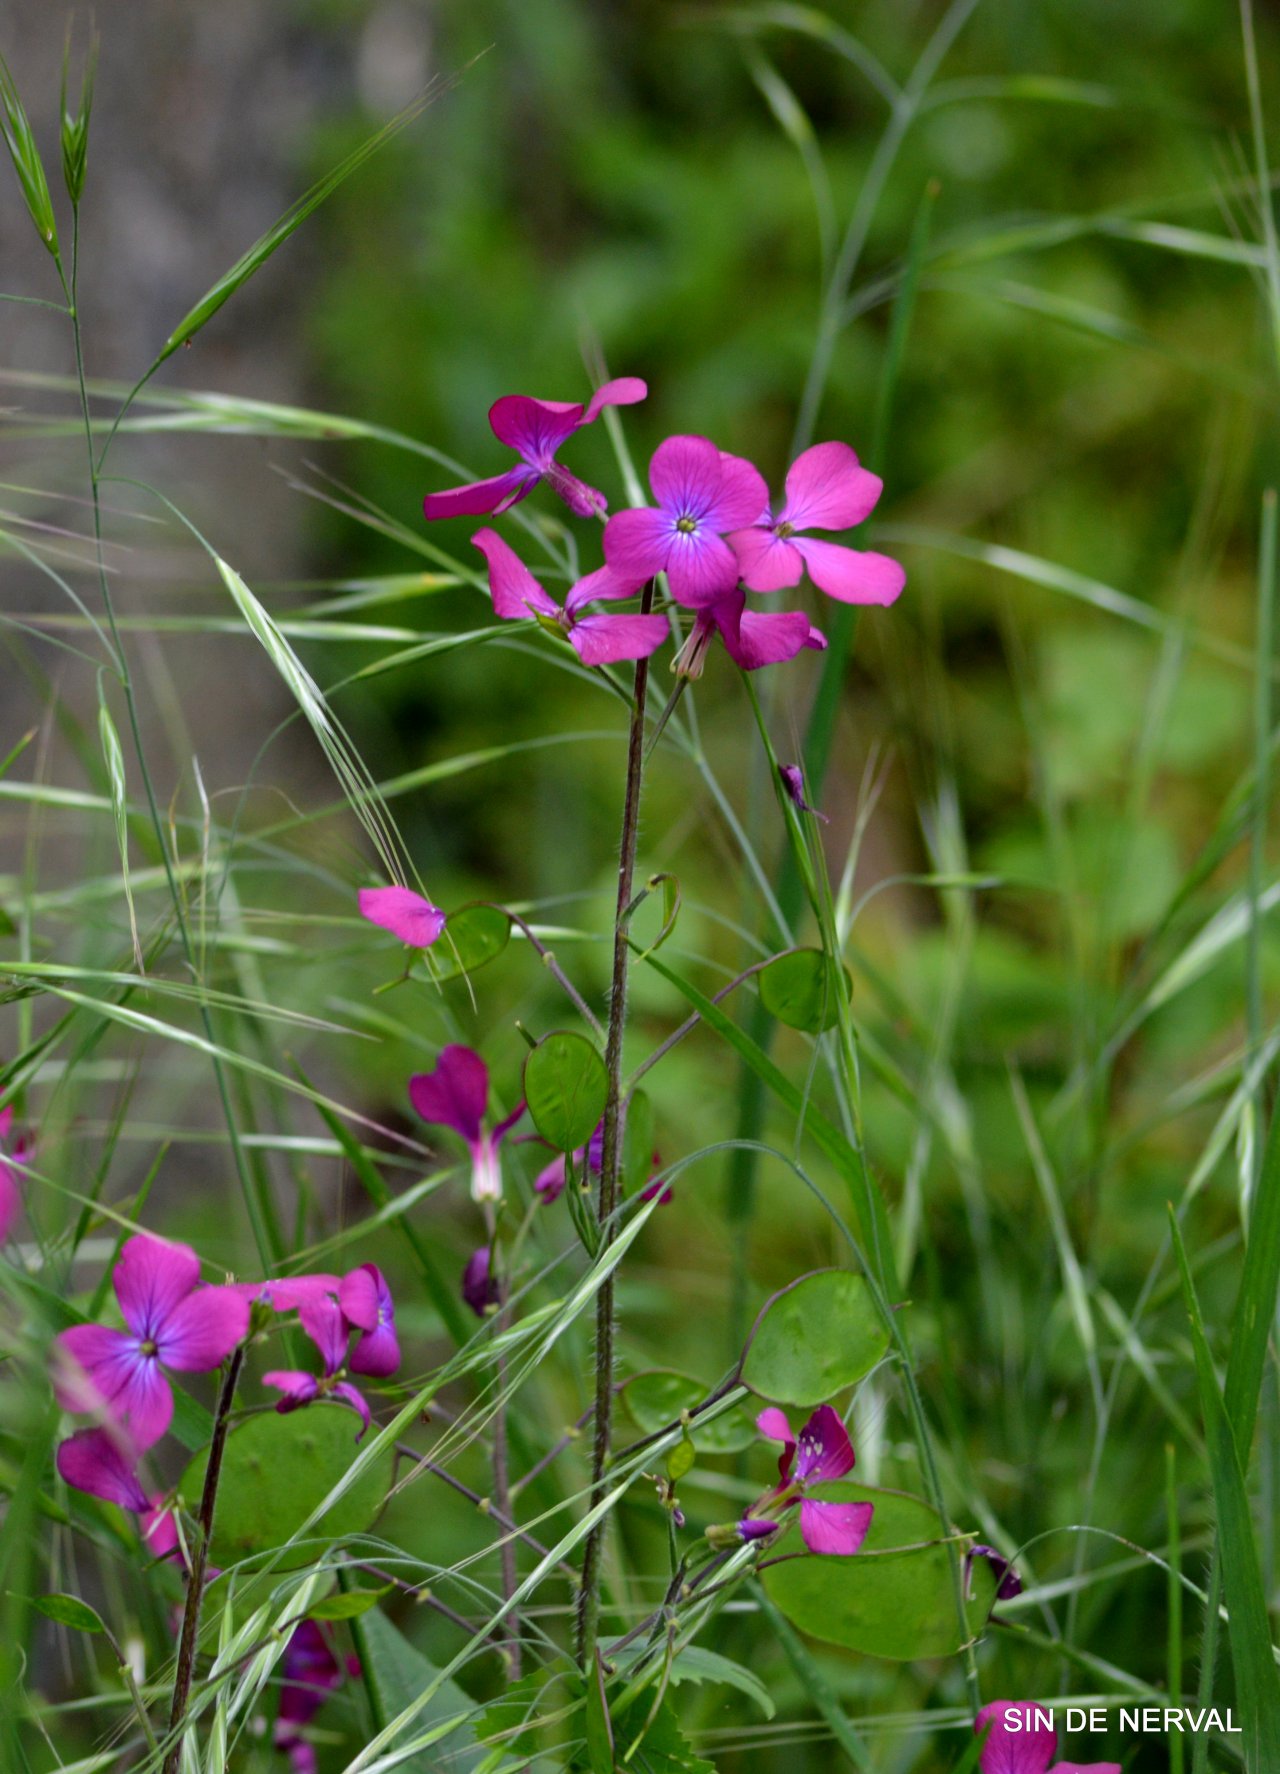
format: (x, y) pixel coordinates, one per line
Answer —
(1060, 704)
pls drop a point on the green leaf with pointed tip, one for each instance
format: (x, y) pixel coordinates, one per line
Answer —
(75, 126)
(565, 1085)
(275, 1471)
(346, 1606)
(895, 1598)
(655, 1400)
(800, 990)
(662, 1748)
(473, 936)
(69, 1610)
(815, 1338)
(21, 143)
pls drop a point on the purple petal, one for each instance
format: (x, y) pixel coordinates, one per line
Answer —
(160, 1531)
(582, 500)
(203, 1330)
(686, 477)
(637, 543)
(1025, 1751)
(743, 497)
(366, 1299)
(479, 497)
(825, 1449)
(1008, 1582)
(479, 1285)
(603, 640)
(754, 638)
(549, 1183)
(289, 1292)
(756, 1528)
(827, 489)
(299, 1388)
(326, 1324)
(10, 1197)
(838, 1528)
(94, 1461)
(603, 583)
(404, 913)
(850, 575)
(515, 592)
(535, 428)
(773, 1425)
(623, 391)
(151, 1278)
(793, 781)
(701, 567)
(351, 1395)
(455, 1094)
(595, 1147)
(766, 562)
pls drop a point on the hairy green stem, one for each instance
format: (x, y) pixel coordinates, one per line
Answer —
(602, 1435)
(200, 1563)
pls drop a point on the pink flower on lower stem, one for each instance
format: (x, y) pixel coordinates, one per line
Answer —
(404, 913)
(173, 1322)
(10, 1196)
(824, 1453)
(702, 494)
(311, 1671)
(752, 638)
(325, 1323)
(455, 1095)
(535, 430)
(1027, 1749)
(827, 489)
(597, 639)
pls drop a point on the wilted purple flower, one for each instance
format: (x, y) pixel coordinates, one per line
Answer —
(535, 430)
(404, 913)
(311, 1671)
(366, 1301)
(10, 1197)
(598, 639)
(702, 493)
(455, 1095)
(826, 490)
(1025, 1748)
(480, 1288)
(1008, 1582)
(752, 638)
(172, 1322)
(825, 1453)
(325, 1323)
(793, 781)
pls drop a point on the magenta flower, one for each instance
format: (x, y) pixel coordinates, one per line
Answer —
(826, 490)
(825, 1453)
(535, 430)
(756, 1528)
(793, 782)
(173, 1322)
(752, 638)
(404, 913)
(549, 1184)
(311, 1672)
(702, 494)
(455, 1095)
(325, 1323)
(1028, 1749)
(288, 1292)
(102, 1463)
(480, 1288)
(366, 1303)
(10, 1196)
(598, 639)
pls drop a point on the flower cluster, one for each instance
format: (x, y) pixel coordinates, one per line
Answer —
(174, 1323)
(821, 1453)
(711, 531)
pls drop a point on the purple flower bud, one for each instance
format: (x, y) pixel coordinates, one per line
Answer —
(793, 781)
(479, 1284)
(755, 1528)
(1008, 1582)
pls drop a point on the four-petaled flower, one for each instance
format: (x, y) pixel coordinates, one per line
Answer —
(826, 490)
(752, 638)
(598, 639)
(172, 1322)
(702, 494)
(1029, 1749)
(10, 1198)
(535, 430)
(825, 1453)
(324, 1321)
(455, 1095)
(404, 913)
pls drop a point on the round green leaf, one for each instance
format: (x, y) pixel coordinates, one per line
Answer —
(800, 990)
(655, 1400)
(895, 1598)
(565, 1085)
(69, 1610)
(473, 936)
(348, 1605)
(275, 1471)
(814, 1338)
